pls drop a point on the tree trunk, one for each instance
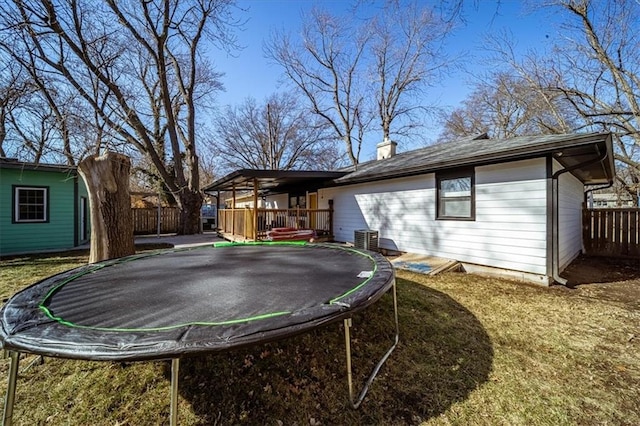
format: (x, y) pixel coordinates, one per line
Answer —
(190, 203)
(107, 180)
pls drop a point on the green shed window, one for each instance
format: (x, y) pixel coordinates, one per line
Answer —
(30, 204)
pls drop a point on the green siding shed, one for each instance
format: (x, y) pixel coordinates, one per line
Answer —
(43, 207)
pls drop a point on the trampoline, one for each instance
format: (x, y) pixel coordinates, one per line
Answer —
(175, 303)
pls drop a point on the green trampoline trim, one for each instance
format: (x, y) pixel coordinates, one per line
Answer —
(165, 328)
(363, 283)
(260, 243)
(60, 320)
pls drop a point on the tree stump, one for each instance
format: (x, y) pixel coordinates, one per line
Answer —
(107, 180)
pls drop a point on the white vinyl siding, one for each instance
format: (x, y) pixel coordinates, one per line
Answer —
(509, 231)
(571, 197)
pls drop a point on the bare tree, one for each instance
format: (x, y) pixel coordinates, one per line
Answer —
(408, 54)
(595, 68)
(277, 134)
(605, 81)
(507, 105)
(327, 67)
(138, 66)
(15, 87)
(354, 69)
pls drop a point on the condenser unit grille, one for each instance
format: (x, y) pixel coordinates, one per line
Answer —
(366, 239)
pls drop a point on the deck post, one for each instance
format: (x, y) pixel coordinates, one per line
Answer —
(331, 219)
(218, 210)
(255, 209)
(233, 210)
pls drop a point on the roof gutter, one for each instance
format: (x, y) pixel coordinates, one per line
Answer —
(555, 220)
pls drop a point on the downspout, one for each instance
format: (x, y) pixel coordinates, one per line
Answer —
(555, 221)
(596, 188)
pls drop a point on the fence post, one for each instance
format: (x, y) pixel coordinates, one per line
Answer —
(159, 217)
(587, 227)
(634, 230)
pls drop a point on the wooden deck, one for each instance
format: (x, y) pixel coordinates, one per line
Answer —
(249, 224)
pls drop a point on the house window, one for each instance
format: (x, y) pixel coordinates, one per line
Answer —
(298, 201)
(456, 195)
(31, 204)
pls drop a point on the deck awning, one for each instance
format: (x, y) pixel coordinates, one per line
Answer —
(271, 181)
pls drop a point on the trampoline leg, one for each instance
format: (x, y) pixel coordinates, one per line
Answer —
(347, 345)
(175, 367)
(347, 340)
(11, 389)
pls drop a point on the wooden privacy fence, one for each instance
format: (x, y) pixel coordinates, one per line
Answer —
(145, 220)
(612, 232)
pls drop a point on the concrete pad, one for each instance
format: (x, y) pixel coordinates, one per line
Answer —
(422, 264)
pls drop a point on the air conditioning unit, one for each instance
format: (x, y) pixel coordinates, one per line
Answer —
(366, 239)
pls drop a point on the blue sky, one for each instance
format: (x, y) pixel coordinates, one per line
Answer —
(250, 74)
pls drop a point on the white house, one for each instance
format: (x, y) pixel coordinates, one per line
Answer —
(511, 205)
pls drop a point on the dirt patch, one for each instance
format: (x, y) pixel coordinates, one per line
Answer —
(605, 278)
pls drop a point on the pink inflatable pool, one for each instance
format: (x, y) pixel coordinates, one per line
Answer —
(290, 234)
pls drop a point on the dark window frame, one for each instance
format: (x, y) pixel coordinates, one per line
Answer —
(456, 174)
(298, 196)
(15, 205)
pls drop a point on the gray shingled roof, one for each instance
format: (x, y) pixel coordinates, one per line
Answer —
(568, 150)
(589, 156)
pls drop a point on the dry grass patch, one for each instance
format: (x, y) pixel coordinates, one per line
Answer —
(473, 351)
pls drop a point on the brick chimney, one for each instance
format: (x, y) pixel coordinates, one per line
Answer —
(386, 149)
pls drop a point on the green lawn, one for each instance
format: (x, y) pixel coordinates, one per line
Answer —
(473, 351)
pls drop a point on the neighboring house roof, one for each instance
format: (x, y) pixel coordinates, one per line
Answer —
(588, 156)
(569, 150)
(13, 163)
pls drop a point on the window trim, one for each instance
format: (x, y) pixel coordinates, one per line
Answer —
(455, 174)
(298, 196)
(15, 216)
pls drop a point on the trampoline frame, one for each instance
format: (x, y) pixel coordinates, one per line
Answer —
(14, 366)
(9, 400)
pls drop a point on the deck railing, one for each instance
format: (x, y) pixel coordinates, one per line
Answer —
(253, 225)
(612, 232)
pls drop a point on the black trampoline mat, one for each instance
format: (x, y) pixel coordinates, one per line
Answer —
(185, 301)
(208, 286)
